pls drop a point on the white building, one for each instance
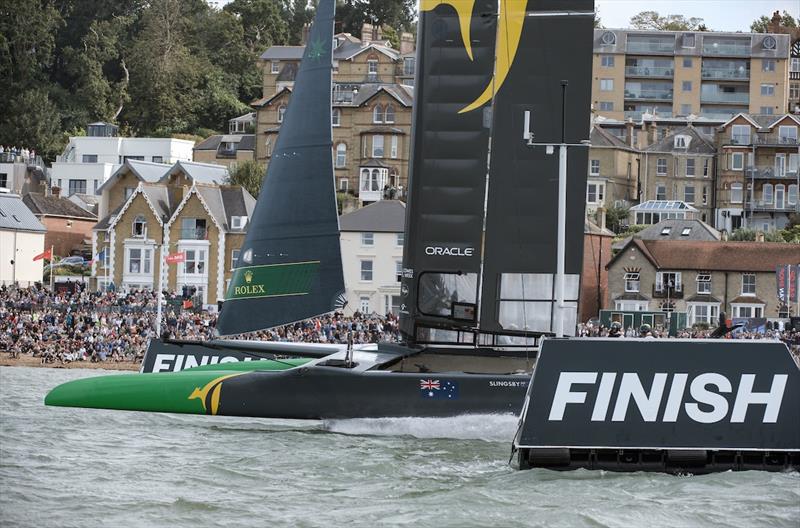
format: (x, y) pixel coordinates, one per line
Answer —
(21, 239)
(88, 161)
(372, 256)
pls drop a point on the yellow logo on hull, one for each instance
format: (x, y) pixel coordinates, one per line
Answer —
(509, 31)
(214, 387)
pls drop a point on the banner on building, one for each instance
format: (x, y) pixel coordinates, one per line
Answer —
(175, 258)
(786, 278)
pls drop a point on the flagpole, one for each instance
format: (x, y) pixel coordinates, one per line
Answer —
(51, 268)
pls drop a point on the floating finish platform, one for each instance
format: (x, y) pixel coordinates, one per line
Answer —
(677, 406)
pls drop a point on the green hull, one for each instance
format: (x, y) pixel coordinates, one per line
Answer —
(192, 391)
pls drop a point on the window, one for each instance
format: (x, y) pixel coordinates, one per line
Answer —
(768, 65)
(766, 193)
(393, 151)
(89, 158)
(377, 146)
(686, 231)
(132, 158)
(794, 91)
(269, 147)
(668, 281)
(794, 64)
(607, 61)
(736, 193)
(193, 229)
(686, 86)
(666, 231)
(344, 184)
(747, 310)
(363, 305)
(607, 106)
(607, 85)
(787, 134)
(129, 192)
(139, 260)
(686, 109)
(373, 179)
(748, 283)
(77, 186)
(740, 134)
(409, 64)
(661, 191)
(366, 270)
(276, 67)
(377, 114)
(791, 196)
(737, 161)
(336, 117)
(238, 222)
(690, 167)
(398, 270)
(157, 159)
(372, 67)
(595, 192)
(766, 110)
(139, 227)
(661, 166)
(688, 194)
(706, 163)
(341, 155)
(632, 282)
(367, 239)
(281, 113)
(388, 116)
(688, 40)
(594, 167)
(704, 283)
(687, 62)
(703, 313)
(705, 196)
(4, 180)
(767, 89)
(195, 263)
(400, 239)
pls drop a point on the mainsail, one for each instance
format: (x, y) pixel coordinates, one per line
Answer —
(290, 266)
(480, 254)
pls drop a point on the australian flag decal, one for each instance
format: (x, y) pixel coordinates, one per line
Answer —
(434, 389)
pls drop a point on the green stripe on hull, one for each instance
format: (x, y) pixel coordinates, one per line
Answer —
(193, 391)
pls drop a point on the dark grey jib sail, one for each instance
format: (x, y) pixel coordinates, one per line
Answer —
(290, 266)
(480, 257)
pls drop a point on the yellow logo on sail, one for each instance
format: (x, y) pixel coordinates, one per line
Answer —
(509, 32)
(214, 387)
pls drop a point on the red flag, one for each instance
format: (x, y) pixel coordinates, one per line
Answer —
(174, 258)
(46, 255)
(188, 304)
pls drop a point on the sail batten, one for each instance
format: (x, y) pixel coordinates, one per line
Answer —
(290, 265)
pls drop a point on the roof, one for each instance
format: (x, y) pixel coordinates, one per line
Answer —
(283, 53)
(200, 172)
(43, 205)
(158, 196)
(699, 144)
(267, 100)
(603, 138)
(714, 256)
(223, 202)
(368, 91)
(679, 229)
(662, 205)
(383, 216)
(590, 228)
(349, 48)
(243, 142)
(16, 216)
(145, 171)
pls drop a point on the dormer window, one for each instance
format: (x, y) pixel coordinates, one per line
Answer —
(336, 117)
(276, 67)
(666, 231)
(139, 227)
(281, 112)
(682, 142)
(238, 222)
(377, 114)
(388, 116)
(372, 67)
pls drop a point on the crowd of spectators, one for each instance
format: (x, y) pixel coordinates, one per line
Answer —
(17, 154)
(78, 325)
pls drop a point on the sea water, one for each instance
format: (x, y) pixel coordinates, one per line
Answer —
(81, 467)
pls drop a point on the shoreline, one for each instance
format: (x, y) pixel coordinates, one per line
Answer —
(29, 361)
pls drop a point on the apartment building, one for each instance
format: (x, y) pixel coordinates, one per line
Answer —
(231, 148)
(371, 114)
(758, 180)
(613, 171)
(682, 73)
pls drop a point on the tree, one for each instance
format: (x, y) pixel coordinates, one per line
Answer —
(652, 20)
(264, 22)
(617, 218)
(744, 234)
(761, 24)
(249, 174)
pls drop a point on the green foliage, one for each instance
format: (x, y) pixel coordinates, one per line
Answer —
(629, 232)
(749, 235)
(791, 234)
(760, 25)
(616, 218)
(249, 174)
(652, 20)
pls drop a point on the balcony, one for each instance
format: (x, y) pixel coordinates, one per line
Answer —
(726, 74)
(651, 47)
(772, 140)
(769, 173)
(723, 97)
(718, 48)
(199, 233)
(760, 206)
(636, 115)
(661, 292)
(648, 71)
(648, 95)
(740, 139)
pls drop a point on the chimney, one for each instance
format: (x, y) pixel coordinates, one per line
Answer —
(760, 236)
(601, 217)
(629, 132)
(774, 25)
(366, 34)
(56, 190)
(652, 134)
(407, 44)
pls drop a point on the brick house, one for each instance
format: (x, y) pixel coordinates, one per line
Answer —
(701, 278)
(69, 227)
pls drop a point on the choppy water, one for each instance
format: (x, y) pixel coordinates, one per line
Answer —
(76, 467)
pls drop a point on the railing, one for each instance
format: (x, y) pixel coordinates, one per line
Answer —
(740, 140)
(715, 48)
(761, 205)
(737, 97)
(726, 74)
(776, 141)
(660, 95)
(649, 71)
(33, 161)
(649, 47)
(198, 233)
(636, 115)
(674, 292)
(768, 173)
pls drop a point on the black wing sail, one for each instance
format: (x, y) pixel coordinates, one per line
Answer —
(447, 178)
(518, 288)
(290, 266)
